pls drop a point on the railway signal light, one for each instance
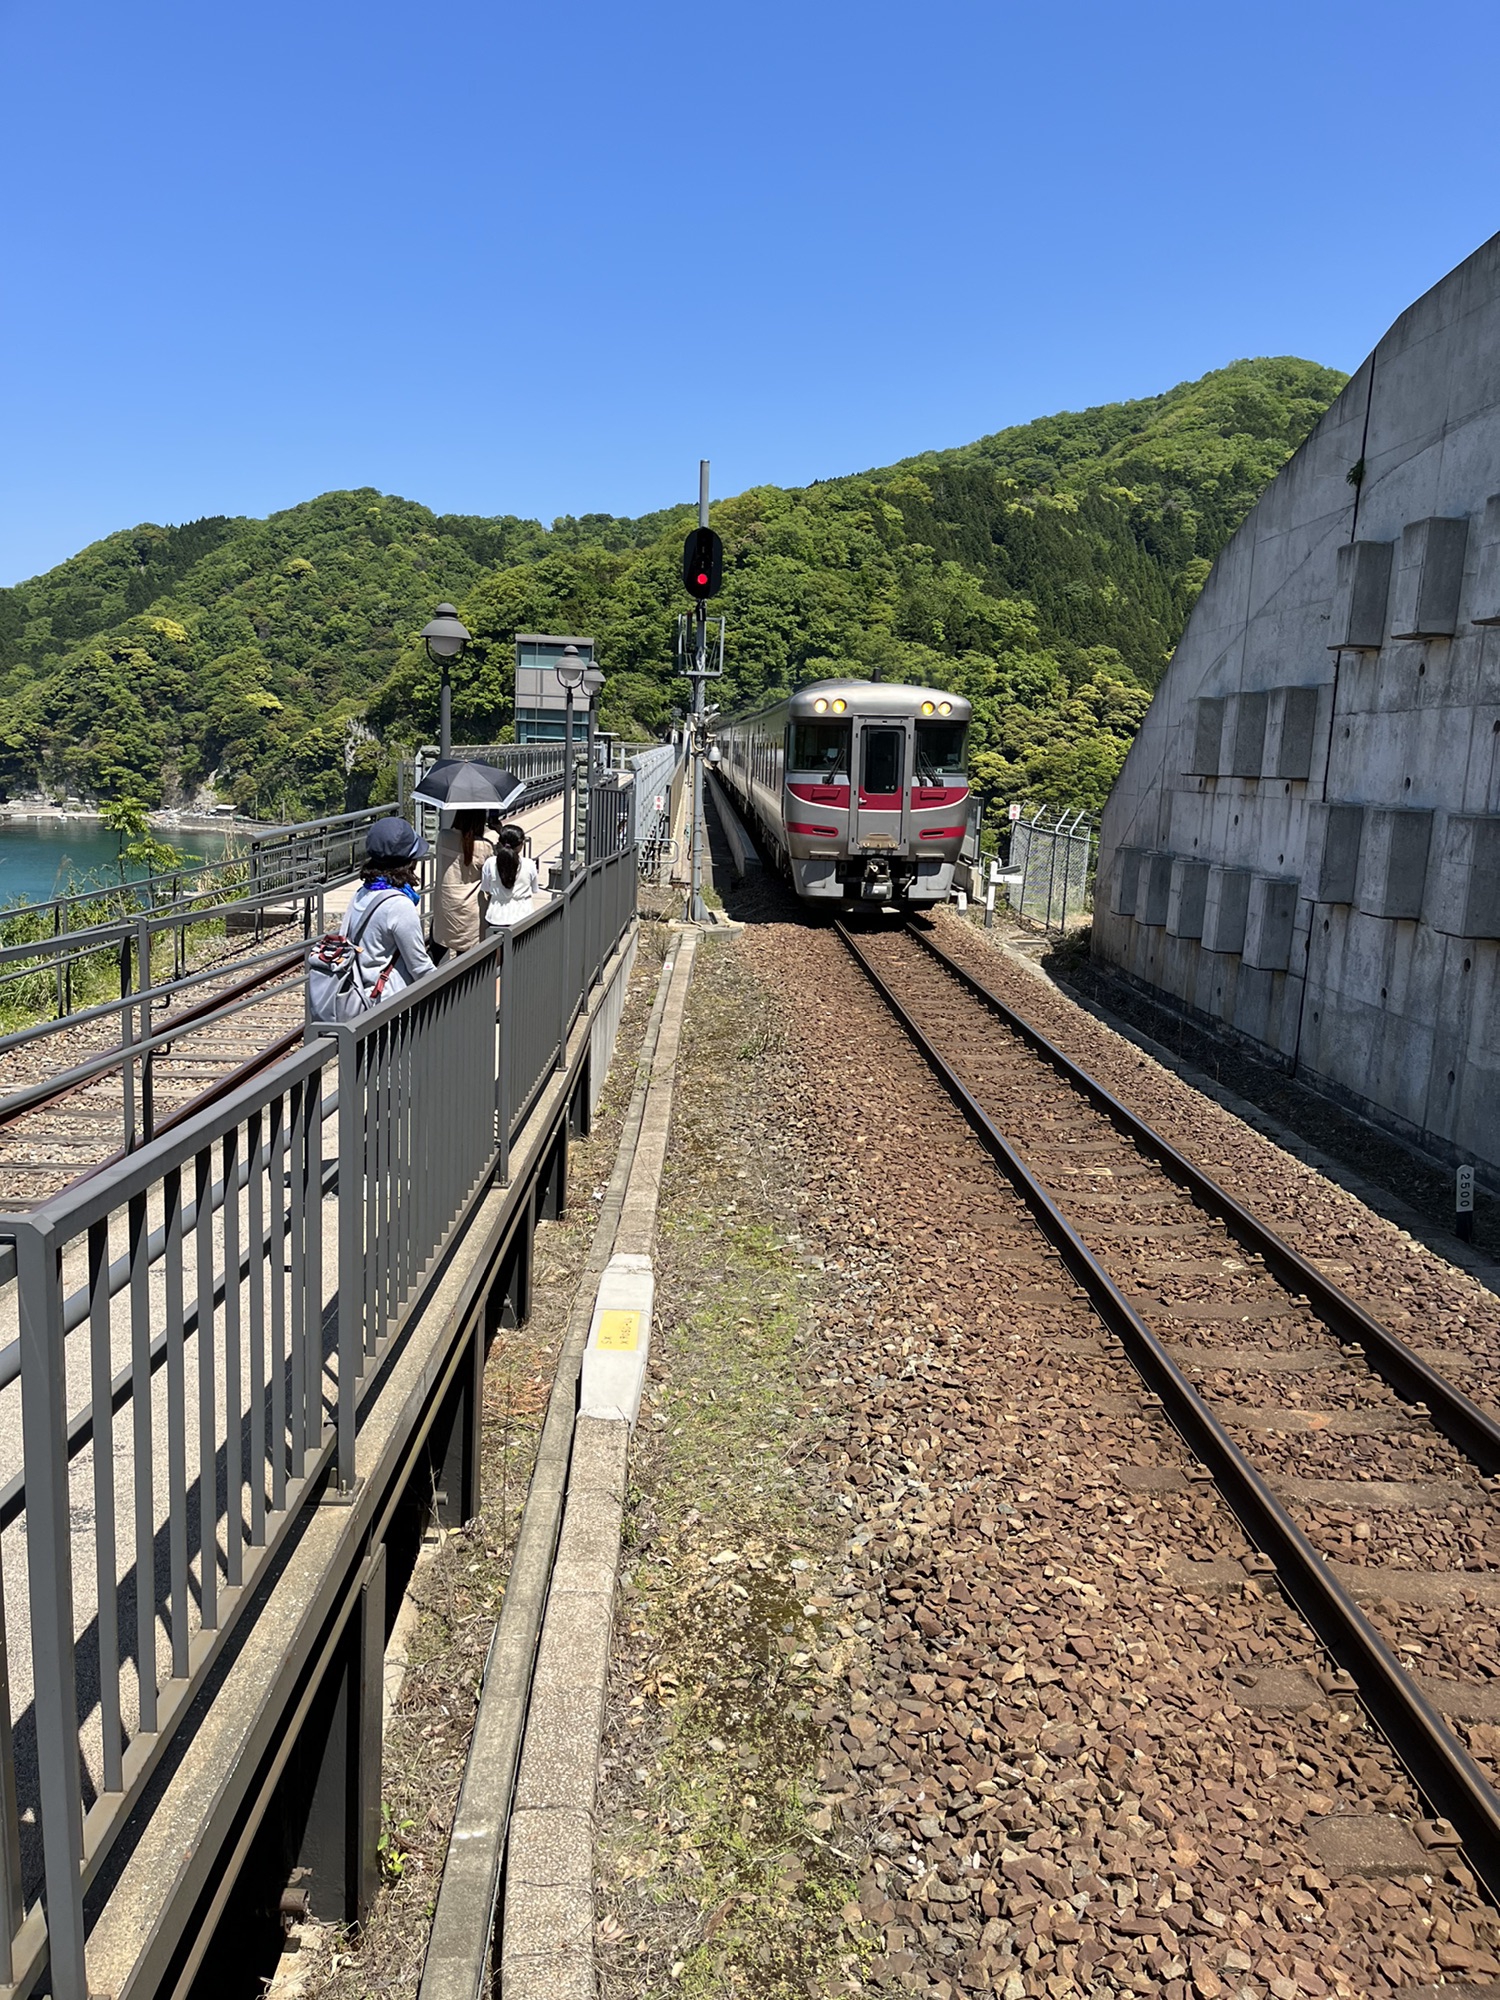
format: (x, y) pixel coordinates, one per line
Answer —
(703, 564)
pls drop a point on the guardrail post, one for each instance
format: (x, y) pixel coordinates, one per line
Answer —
(505, 1059)
(143, 978)
(562, 982)
(49, 1562)
(127, 1060)
(12, 1900)
(351, 1215)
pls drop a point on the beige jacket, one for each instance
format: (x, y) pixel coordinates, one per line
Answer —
(455, 898)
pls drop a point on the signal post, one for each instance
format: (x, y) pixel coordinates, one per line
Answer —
(702, 578)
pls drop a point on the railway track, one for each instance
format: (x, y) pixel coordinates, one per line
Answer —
(97, 1095)
(1359, 1471)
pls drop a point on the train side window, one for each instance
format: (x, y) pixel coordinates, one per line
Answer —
(882, 772)
(822, 747)
(940, 753)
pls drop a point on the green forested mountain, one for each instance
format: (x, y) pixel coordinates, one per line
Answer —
(1046, 571)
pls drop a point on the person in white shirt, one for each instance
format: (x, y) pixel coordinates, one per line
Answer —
(509, 880)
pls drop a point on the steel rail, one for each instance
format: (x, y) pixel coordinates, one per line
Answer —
(1441, 1767)
(1471, 1429)
(20, 1038)
(217, 1007)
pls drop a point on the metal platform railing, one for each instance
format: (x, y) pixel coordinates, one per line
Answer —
(191, 1329)
(52, 941)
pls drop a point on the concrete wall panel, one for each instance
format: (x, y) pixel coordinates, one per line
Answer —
(1400, 740)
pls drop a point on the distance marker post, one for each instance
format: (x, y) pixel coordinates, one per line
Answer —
(1463, 1203)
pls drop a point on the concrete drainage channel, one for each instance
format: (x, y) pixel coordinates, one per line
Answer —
(515, 1907)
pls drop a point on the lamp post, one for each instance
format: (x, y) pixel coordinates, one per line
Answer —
(571, 669)
(445, 638)
(593, 681)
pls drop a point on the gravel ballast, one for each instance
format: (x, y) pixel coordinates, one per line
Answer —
(1057, 1739)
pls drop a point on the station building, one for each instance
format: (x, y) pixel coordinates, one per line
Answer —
(1303, 847)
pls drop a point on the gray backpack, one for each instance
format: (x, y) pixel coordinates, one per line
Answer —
(337, 989)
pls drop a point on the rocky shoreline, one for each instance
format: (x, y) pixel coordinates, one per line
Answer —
(165, 818)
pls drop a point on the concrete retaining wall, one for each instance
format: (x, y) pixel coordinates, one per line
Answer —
(1304, 842)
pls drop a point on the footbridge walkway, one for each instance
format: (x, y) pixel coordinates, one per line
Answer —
(227, 1363)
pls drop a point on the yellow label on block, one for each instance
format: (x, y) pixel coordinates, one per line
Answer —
(619, 1333)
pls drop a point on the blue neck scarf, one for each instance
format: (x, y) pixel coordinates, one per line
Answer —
(412, 895)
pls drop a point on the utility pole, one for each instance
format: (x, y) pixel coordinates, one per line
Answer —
(702, 574)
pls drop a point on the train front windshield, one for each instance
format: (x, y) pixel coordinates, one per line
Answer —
(941, 750)
(819, 746)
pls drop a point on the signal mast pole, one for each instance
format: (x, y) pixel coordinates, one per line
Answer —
(702, 578)
(696, 912)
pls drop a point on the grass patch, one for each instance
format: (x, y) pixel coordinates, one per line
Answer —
(726, 1866)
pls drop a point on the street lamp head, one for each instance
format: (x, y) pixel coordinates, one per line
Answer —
(593, 681)
(570, 668)
(444, 635)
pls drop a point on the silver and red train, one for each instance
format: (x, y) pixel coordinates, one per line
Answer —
(860, 788)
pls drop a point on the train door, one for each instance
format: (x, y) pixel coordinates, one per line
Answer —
(881, 820)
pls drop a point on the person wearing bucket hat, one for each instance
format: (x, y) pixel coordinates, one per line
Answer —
(383, 912)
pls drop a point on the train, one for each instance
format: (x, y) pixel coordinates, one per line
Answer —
(859, 788)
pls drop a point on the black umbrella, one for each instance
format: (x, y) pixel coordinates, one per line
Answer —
(453, 784)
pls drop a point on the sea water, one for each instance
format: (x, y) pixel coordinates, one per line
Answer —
(41, 858)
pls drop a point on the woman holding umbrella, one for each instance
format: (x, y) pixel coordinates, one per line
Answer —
(468, 790)
(462, 852)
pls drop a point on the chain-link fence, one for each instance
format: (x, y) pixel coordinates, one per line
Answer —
(1055, 855)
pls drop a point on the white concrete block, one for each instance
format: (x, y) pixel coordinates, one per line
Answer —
(1207, 735)
(1270, 913)
(1393, 863)
(619, 1343)
(1153, 889)
(1185, 898)
(1339, 831)
(1126, 877)
(1428, 577)
(1360, 594)
(1292, 721)
(1224, 905)
(1464, 890)
(1484, 606)
(1248, 735)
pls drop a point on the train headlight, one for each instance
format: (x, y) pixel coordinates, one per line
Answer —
(927, 708)
(945, 708)
(819, 706)
(839, 707)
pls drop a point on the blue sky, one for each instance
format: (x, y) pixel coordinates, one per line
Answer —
(540, 259)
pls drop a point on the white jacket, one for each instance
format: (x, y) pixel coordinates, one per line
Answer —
(508, 906)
